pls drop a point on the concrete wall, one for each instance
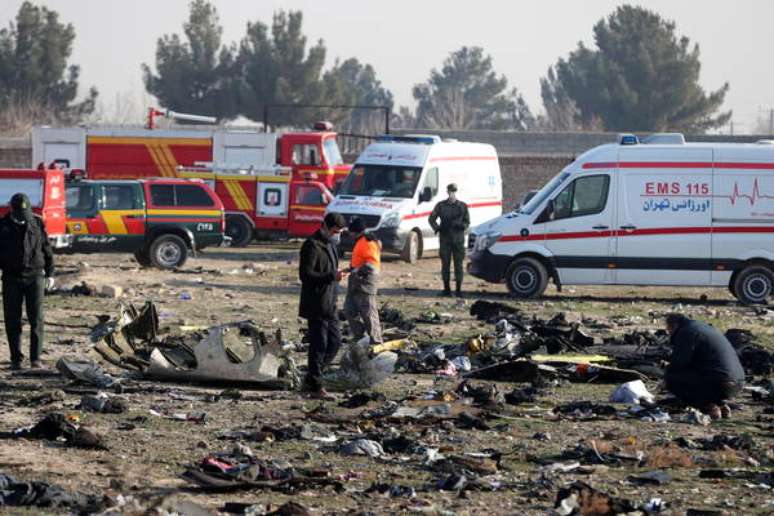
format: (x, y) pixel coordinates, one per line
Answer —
(15, 153)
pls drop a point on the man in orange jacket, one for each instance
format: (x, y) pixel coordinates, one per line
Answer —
(360, 304)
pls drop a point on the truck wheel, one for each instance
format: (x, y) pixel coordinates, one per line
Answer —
(240, 231)
(754, 284)
(526, 278)
(143, 257)
(168, 252)
(410, 252)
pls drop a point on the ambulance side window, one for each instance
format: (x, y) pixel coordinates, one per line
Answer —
(584, 196)
(431, 181)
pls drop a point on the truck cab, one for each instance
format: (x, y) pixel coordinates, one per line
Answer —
(158, 220)
(45, 188)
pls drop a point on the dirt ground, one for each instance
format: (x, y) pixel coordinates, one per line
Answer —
(145, 462)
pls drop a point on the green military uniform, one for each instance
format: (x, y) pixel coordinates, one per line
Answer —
(455, 220)
(26, 259)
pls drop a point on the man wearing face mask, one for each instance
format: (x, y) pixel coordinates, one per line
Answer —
(27, 263)
(455, 220)
(319, 272)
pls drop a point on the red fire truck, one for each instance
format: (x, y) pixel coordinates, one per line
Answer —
(46, 190)
(271, 184)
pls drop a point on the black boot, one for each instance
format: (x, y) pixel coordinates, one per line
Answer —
(446, 290)
(458, 290)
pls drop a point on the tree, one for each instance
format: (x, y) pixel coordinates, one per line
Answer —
(198, 75)
(468, 94)
(561, 112)
(641, 77)
(278, 69)
(33, 66)
(353, 83)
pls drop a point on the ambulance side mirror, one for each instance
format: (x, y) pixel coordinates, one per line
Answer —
(426, 194)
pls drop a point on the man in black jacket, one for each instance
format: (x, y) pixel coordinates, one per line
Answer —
(319, 273)
(27, 263)
(704, 370)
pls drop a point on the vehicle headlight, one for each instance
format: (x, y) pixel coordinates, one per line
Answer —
(486, 240)
(391, 220)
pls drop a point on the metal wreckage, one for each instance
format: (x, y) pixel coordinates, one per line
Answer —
(236, 353)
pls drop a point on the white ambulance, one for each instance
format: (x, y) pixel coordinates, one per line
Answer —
(660, 212)
(396, 181)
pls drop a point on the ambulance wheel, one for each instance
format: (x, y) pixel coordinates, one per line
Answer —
(411, 252)
(168, 252)
(143, 257)
(240, 231)
(526, 278)
(754, 284)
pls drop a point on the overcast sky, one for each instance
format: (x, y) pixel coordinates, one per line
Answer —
(404, 39)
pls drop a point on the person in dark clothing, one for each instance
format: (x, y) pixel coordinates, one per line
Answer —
(319, 273)
(455, 220)
(27, 263)
(704, 370)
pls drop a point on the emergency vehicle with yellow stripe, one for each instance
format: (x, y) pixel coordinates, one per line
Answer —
(271, 184)
(654, 212)
(159, 220)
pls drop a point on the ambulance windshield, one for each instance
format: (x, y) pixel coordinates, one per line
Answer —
(381, 181)
(544, 192)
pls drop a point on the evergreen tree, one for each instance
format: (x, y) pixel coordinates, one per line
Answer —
(467, 94)
(641, 77)
(198, 75)
(33, 66)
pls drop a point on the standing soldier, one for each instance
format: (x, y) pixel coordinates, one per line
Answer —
(319, 272)
(360, 304)
(455, 220)
(28, 268)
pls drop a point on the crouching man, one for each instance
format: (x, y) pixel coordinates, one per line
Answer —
(704, 370)
(360, 304)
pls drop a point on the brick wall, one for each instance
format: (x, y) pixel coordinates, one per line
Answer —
(524, 173)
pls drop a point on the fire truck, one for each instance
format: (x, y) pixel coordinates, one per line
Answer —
(273, 185)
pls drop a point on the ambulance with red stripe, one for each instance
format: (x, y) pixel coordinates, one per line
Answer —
(257, 205)
(396, 181)
(656, 212)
